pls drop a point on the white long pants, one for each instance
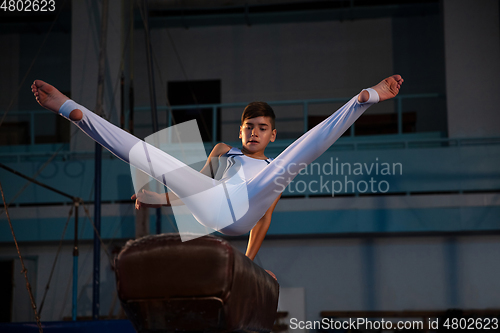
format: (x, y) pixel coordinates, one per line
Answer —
(235, 206)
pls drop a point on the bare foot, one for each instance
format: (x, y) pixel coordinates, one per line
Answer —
(386, 89)
(52, 99)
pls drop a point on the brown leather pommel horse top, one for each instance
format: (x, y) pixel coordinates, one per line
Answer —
(205, 284)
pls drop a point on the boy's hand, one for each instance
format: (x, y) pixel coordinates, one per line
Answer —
(147, 199)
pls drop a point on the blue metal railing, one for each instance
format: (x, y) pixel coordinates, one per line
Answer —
(401, 142)
(305, 109)
(304, 103)
(31, 114)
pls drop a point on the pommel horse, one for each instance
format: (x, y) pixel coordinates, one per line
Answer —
(203, 285)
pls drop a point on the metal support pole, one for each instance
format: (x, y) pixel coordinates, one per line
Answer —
(75, 266)
(149, 56)
(97, 244)
(152, 93)
(131, 87)
(98, 167)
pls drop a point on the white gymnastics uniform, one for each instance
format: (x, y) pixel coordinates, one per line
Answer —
(235, 159)
(235, 200)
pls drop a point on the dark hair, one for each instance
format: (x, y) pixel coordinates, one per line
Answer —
(258, 109)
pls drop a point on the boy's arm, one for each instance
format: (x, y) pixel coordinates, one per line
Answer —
(212, 164)
(258, 233)
(151, 199)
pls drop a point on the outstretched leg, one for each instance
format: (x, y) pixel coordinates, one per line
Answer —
(204, 196)
(182, 179)
(271, 181)
(317, 140)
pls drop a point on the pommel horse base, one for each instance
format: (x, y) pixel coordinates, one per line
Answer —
(203, 285)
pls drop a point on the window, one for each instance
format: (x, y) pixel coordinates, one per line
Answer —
(196, 93)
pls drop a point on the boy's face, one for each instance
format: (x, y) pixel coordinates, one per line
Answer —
(256, 133)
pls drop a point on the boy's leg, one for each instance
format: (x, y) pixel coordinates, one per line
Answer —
(271, 181)
(317, 140)
(181, 179)
(265, 187)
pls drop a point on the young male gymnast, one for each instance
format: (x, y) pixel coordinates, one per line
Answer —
(219, 196)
